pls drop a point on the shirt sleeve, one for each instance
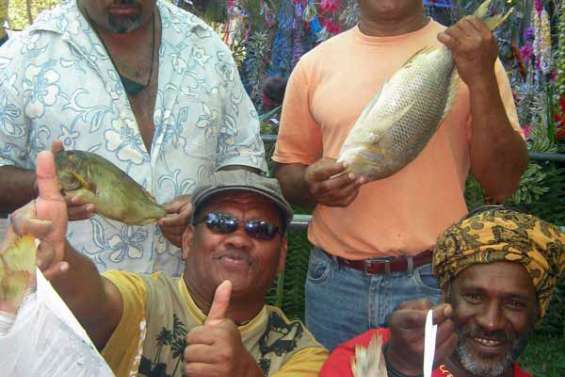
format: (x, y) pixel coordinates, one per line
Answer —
(300, 137)
(304, 363)
(123, 350)
(14, 127)
(240, 140)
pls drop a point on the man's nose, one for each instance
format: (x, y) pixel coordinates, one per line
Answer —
(239, 239)
(492, 317)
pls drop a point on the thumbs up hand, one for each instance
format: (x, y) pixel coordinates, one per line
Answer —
(219, 308)
(215, 349)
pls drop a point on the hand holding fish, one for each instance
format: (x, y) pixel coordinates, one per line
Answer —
(178, 215)
(473, 48)
(77, 207)
(45, 219)
(330, 185)
(407, 324)
(215, 349)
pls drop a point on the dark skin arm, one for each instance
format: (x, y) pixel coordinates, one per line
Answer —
(95, 301)
(499, 155)
(324, 182)
(16, 186)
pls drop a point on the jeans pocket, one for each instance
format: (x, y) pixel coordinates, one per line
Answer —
(425, 279)
(319, 266)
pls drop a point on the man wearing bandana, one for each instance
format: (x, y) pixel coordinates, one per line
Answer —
(497, 269)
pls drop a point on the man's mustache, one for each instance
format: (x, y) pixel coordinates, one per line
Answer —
(476, 332)
(126, 2)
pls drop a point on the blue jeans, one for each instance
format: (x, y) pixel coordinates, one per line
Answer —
(342, 302)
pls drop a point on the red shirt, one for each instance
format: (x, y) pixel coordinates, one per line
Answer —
(339, 362)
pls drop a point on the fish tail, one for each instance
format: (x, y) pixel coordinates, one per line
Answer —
(492, 22)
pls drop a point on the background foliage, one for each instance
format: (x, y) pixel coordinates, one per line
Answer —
(269, 36)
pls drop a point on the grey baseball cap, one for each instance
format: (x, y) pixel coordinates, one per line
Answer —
(241, 180)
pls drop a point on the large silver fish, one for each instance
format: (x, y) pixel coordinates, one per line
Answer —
(398, 122)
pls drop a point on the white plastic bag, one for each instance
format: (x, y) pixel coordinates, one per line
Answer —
(46, 340)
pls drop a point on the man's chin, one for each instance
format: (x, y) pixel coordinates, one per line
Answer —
(483, 364)
(123, 25)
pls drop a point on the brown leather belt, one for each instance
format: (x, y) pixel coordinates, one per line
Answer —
(386, 265)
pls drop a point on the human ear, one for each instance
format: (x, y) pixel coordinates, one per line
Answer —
(282, 255)
(187, 237)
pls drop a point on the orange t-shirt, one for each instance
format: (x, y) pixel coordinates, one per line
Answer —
(404, 213)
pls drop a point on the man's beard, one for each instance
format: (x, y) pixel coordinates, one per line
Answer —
(125, 24)
(122, 25)
(479, 365)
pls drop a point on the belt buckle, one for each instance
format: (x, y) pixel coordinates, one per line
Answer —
(376, 261)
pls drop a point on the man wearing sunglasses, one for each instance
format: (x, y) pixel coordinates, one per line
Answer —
(212, 321)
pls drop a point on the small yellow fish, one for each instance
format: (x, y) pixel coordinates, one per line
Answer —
(114, 193)
(370, 361)
(3, 17)
(17, 268)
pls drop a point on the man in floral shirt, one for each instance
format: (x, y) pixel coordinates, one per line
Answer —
(142, 83)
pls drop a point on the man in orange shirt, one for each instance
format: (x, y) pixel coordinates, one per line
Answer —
(372, 241)
(498, 269)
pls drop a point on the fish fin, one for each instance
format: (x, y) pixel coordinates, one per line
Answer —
(371, 104)
(421, 51)
(451, 94)
(495, 21)
(90, 186)
(482, 10)
(492, 22)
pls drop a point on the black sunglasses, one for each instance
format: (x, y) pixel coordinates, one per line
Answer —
(224, 224)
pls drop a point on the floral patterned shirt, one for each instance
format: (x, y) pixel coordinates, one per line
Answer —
(57, 82)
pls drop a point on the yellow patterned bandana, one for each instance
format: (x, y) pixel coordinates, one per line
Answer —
(500, 234)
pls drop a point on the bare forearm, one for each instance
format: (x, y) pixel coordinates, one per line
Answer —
(294, 187)
(499, 155)
(89, 296)
(16, 187)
